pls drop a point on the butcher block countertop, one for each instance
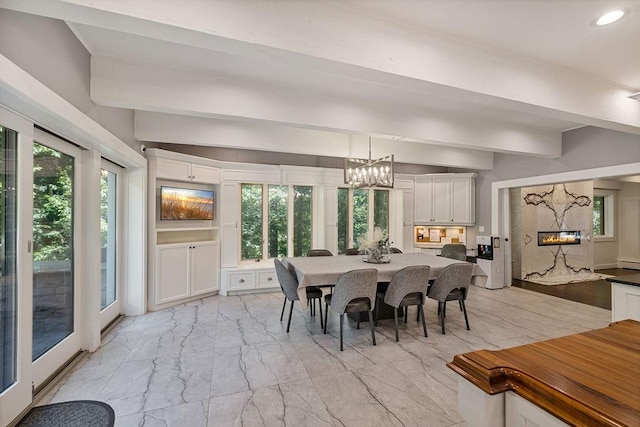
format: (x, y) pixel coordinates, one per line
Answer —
(586, 379)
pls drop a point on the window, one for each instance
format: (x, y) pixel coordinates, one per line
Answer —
(288, 229)
(359, 210)
(603, 213)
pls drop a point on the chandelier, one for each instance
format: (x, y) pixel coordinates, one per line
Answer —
(369, 173)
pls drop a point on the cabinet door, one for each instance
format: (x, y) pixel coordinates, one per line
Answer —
(172, 275)
(173, 169)
(441, 201)
(461, 202)
(239, 280)
(205, 270)
(423, 202)
(206, 174)
(408, 237)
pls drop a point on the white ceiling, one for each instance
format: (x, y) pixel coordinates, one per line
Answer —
(442, 82)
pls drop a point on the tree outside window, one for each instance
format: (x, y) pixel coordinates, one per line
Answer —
(302, 219)
(251, 221)
(278, 202)
(598, 215)
(358, 211)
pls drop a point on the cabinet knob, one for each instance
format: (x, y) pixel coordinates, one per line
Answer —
(241, 281)
(269, 279)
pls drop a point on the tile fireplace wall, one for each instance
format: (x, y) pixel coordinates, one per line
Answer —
(554, 208)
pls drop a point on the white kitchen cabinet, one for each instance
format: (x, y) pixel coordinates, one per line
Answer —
(186, 270)
(185, 171)
(445, 200)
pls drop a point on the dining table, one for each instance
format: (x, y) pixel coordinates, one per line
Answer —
(324, 271)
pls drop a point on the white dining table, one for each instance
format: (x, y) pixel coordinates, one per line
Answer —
(326, 270)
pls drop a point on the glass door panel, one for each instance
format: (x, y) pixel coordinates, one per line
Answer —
(108, 288)
(53, 278)
(111, 178)
(8, 267)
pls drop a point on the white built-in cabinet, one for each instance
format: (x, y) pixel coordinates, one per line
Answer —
(444, 199)
(180, 170)
(184, 256)
(186, 270)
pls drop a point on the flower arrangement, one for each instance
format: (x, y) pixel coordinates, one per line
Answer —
(375, 244)
(376, 238)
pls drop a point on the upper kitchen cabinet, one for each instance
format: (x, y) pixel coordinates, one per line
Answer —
(443, 199)
(179, 170)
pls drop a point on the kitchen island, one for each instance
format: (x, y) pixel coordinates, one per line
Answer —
(586, 379)
(625, 297)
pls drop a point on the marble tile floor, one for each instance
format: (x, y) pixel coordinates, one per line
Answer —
(225, 361)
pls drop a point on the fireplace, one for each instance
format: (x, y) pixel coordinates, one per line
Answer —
(549, 238)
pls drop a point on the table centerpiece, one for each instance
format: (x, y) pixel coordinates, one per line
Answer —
(374, 244)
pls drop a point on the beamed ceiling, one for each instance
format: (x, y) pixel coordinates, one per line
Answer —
(436, 82)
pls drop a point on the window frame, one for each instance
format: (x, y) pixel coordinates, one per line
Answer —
(290, 218)
(609, 215)
(351, 241)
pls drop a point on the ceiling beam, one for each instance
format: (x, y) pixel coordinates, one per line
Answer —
(126, 84)
(180, 129)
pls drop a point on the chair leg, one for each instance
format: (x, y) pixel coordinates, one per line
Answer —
(373, 332)
(378, 302)
(464, 310)
(406, 313)
(444, 309)
(424, 323)
(460, 303)
(320, 306)
(326, 312)
(395, 322)
(341, 322)
(290, 314)
(417, 316)
(442, 316)
(284, 304)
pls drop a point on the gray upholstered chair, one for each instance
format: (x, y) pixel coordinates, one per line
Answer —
(452, 284)
(353, 251)
(289, 285)
(454, 251)
(394, 250)
(319, 252)
(354, 292)
(407, 287)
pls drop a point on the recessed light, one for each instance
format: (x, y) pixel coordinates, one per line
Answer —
(609, 17)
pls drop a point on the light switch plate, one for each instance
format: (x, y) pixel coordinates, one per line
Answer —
(481, 229)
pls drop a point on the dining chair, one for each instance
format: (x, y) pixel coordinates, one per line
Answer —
(394, 250)
(407, 287)
(289, 285)
(454, 251)
(452, 284)
(353, 251)
(355, 292)
(319, 252)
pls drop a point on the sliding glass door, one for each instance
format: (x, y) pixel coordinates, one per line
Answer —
(15, 301)
(55, 325)
(110, 177)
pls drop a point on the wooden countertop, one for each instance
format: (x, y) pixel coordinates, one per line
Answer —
(586, 379)
(631, 279)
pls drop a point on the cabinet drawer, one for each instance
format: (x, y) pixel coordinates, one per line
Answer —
(242, 280)
(267, 279)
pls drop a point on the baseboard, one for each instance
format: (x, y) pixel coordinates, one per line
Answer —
(604, 266)
(634, 265)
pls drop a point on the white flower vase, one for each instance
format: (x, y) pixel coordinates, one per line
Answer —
(376, 255)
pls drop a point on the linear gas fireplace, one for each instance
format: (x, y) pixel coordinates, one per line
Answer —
(548, 238)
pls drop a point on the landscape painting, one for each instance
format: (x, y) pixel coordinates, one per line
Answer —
(186, 204)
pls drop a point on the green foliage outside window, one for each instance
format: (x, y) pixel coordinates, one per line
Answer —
(343, 220)
(598, 216)
(251, 221)
(52, 204)
(302, 219)
(381, 209)
(278, 220)
(360, 213)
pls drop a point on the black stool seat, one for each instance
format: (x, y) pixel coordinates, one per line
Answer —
(313, 292)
